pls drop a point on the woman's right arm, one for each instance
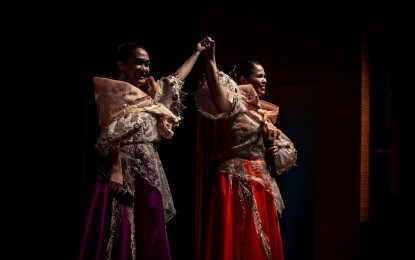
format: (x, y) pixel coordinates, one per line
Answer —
(218, 93)
(116, 179)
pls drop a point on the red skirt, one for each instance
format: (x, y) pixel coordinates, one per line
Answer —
(243, 219)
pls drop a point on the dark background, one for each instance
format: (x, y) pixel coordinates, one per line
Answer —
(312, 55)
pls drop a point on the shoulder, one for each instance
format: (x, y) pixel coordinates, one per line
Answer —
(269, 106)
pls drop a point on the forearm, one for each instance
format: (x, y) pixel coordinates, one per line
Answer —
(218, 93)
(185, 69)
(116, 179)
(114, 158)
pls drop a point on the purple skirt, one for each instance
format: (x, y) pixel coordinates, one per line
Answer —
(106, 237)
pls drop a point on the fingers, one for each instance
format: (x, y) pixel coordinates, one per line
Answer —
(208, 42)
(115, 187)
(273, 151)
(151, 81)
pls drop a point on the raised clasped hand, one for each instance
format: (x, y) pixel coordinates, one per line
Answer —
(208, 43)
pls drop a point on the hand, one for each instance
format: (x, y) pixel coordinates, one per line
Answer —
(209, 45)
(204, 44)
(272, 151)
(200, 47)
(116, 180)
(151, 86)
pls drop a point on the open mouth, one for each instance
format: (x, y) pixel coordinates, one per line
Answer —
(140, 76)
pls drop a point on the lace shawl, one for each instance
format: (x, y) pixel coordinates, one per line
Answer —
(246, 107)
(119, 104)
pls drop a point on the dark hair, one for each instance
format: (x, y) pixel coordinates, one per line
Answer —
(243, 68)
(125, 50)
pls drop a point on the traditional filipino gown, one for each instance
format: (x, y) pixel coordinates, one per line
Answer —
(134, 121)
(245, 201)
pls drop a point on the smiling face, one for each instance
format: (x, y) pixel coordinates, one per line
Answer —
(257, 78)
(136, 67)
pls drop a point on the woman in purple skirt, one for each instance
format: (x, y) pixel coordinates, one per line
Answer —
(134, 112)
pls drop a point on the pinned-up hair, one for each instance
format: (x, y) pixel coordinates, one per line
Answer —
(124, 51)
(243, 68)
